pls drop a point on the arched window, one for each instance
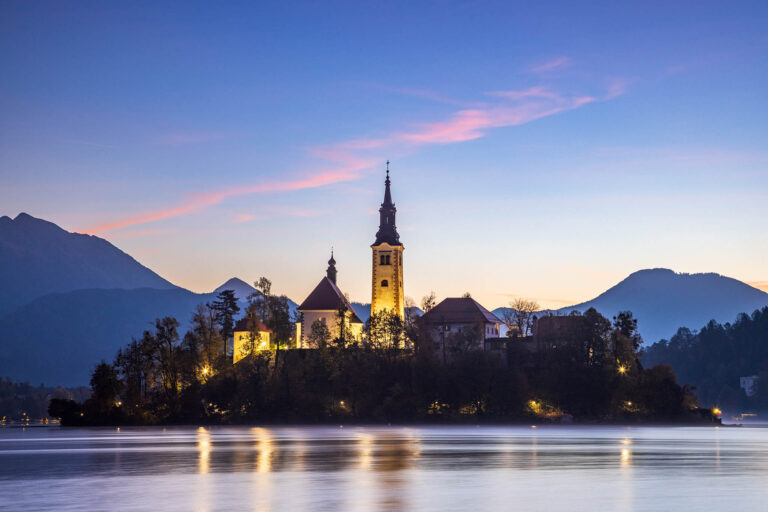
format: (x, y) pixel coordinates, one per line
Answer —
(385, 283)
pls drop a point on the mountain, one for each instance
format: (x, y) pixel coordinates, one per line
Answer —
(58, 339)
(37, 258)
(663, 300)
(242, 289)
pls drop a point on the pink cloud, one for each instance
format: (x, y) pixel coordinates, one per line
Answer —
(347, 160)
(617, 88)
(141, 232)
(200, 201)
(244, 217)
(551, 65)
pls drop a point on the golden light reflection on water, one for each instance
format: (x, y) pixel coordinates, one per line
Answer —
(203, 450)
(379, 468)
(264, 449)
(365, 451)
(626, 457)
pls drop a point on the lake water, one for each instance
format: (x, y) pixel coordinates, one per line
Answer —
(385, 468)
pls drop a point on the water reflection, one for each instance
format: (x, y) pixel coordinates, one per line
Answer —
(264, 449)
(204, 450)
(379, 468)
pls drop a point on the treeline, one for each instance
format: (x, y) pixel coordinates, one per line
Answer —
(716, 357)
(593, 375)
(22, 402)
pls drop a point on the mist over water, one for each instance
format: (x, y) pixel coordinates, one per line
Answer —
(385, 468)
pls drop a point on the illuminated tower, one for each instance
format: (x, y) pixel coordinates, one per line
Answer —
(387, 273)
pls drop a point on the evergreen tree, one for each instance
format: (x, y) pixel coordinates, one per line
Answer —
(226, 308)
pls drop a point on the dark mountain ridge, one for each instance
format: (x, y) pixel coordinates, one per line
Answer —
(37, 258)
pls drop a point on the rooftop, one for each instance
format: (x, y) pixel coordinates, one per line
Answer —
(460, 310)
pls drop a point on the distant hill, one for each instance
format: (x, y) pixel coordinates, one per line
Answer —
(58, 339)
(37, 258)
(242, 289)
(663, 301)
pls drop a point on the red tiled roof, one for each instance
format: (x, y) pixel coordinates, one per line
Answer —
(462, 310)
(326, 297)
(242, 326)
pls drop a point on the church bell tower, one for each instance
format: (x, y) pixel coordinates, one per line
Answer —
(387, 291)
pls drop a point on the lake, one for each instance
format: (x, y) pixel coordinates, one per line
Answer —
(385, 468)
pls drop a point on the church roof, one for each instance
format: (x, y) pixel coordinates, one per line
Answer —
(326, 297)
(462, 310)
(242, 326)
(387, 232)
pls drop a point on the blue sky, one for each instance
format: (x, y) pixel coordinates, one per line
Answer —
(537, 151)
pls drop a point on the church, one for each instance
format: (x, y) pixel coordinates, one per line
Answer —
(326, 302)
(327, 314)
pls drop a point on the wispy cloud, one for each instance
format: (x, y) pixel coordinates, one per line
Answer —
(199, 201)
(346, 161)
(245, 217)
(551, 65)
(131, 233)
(509, 108)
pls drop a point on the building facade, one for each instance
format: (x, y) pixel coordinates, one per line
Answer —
(324, 305)
(461, 324)
(250, 335)
(387, 264)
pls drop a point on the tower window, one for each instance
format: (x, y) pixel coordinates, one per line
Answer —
(385, 283)
(384, 259)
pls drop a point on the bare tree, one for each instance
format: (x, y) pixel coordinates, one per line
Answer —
(521, 315)
(428, 302)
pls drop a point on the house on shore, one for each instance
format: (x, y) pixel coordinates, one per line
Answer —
(461, 324)
(249, 335)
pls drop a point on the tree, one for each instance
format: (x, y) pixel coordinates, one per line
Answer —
(204, 339)
(319, 335)
(253, 324)
(226, 308)
(275, 313)
(428, 302)
(385, 329)
(521, 316)
(105, 385)
(342, 312)
(163, 348)
(466, 339)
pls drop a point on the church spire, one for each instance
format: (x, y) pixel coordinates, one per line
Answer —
(331, 271)
(387, 228)
(387, 193)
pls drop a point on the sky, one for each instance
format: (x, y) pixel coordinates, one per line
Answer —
(537, 151)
